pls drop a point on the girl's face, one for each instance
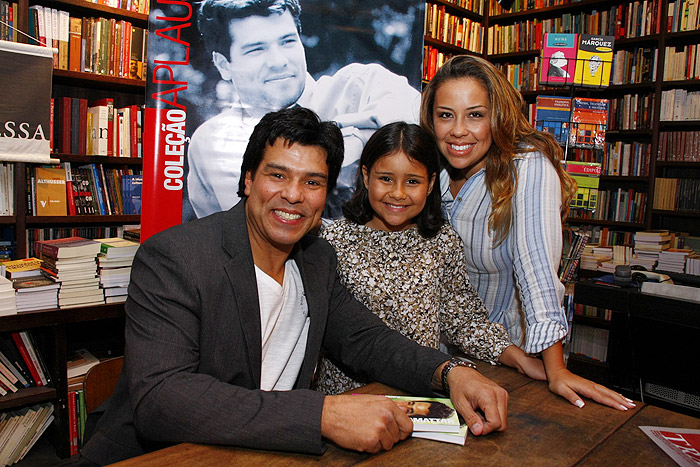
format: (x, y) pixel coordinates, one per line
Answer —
(462, 121)
(398, 187)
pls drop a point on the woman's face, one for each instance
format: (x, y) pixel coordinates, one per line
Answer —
(462, 121)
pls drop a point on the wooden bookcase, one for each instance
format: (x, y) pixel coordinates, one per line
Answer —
(526, 50)
(54, 329)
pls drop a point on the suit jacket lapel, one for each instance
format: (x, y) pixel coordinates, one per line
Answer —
(240, 270)
(318, 311)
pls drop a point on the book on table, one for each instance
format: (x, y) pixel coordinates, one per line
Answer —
(433, 418)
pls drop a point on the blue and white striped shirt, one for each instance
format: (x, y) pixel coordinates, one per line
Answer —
(526, 261)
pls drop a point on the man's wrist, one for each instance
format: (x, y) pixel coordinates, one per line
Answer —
(449, 366)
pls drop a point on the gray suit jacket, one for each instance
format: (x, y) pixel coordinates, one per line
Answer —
(193, 347)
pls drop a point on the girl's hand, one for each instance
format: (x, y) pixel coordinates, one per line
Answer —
(525, 364)
(569, 386)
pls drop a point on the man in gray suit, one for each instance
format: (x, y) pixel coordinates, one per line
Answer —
(227, 314)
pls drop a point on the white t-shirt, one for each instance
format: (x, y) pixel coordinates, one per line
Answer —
(284, 325)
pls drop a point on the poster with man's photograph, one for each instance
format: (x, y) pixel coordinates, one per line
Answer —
(217, 66)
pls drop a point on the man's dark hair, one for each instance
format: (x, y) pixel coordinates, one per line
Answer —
(419, 146)
(294, 125)
(215, 16)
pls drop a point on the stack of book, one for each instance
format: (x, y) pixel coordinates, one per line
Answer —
(621, 254)
(114, 266)
(71, 262)
(8, 305)
(20, 268)
(594, 255)
(35, 293)
(433, 418)
(647, 246)
(673, 260)
(20, 429)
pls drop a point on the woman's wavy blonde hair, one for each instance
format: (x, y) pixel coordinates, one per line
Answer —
(511, 132)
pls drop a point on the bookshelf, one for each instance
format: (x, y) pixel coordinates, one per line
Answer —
(654, 58)
(57, 330)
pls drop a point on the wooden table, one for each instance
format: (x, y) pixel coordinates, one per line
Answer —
(543, 429)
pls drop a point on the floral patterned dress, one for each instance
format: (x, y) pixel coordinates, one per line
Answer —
(417, 286)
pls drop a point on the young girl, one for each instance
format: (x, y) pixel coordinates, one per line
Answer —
(505, 190)
(400, 258)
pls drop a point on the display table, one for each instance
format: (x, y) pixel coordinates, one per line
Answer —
(543, 429)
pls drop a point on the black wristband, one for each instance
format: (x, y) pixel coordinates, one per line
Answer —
(455, 361)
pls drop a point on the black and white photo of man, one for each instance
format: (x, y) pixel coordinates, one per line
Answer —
(257, 49)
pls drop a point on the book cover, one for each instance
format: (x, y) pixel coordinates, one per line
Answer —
(552, 115)
(116, 247)
(681, 444)
(594, 60)
(68, 247)
(558, 58)
(15, 371)
(131, 193)
(50, 191)
(587, 177)
(21, 265)
(589, 119)
(99, 130)
(35, 355)
(435, 414)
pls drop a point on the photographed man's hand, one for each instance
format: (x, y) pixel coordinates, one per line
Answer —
(471, 391)
(365, 423)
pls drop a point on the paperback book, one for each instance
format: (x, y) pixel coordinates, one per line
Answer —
(429, 414)
(594, 60)
(589, 120)
(558, 58)
(552, 115)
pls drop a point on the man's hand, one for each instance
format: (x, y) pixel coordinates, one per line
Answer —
(364, 422)
(470, 391)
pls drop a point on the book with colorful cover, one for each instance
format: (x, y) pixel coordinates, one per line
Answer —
(51, 191)
(587, 177)
(558, 58)
(594, 60)
(681, 444)
(435, 414)
(552, 115)
(589, 120)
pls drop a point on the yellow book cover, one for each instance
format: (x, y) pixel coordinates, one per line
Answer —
(50, 191)
(594, 60)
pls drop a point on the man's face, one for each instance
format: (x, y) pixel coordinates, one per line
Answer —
(266, 63)
(287, 195)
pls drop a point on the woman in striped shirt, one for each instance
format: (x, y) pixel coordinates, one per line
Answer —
(504, 190)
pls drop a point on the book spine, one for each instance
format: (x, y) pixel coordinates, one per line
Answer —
(15, 371)
(32, 351)
(27, 358)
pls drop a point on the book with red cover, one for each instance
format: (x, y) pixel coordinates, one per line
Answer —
(27, 359)
(82, 126)
(63, 127)
(70, 247)
(70, 190)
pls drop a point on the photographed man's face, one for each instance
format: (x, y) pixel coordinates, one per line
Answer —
(287, 195)
(266, 63)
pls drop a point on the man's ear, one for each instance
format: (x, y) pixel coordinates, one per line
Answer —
(222, 64)
(248, 180)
